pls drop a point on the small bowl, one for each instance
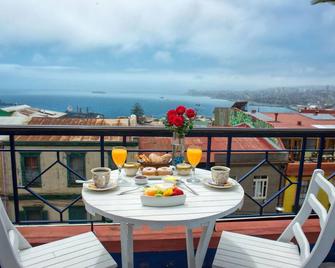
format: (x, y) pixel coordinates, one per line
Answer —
(141, 180)
(184, 169)
(131, 168)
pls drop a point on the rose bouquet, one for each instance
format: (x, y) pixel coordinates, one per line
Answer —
(180, 120)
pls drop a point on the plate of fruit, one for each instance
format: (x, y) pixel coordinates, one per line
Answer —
(163, 195)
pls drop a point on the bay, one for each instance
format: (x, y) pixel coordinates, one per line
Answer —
(120, 104)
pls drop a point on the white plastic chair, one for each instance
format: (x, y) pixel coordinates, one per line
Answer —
(82, 250)
(236, 250)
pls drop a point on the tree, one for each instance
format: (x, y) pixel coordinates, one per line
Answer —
(138, 111)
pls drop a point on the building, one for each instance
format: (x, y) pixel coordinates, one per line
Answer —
(292, 173)
(260, 185)
(303, 120)
(30, 112)
(53, 157)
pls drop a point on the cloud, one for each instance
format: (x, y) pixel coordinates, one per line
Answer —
(38, 59)
(250, 41)
(163, 56)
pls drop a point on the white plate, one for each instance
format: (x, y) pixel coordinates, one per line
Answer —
(92, 187)
(209, 182)
(168, 201)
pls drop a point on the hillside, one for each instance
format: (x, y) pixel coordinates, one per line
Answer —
(323, 96)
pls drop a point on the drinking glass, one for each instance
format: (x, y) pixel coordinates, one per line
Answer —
(194, 154)
(119, 156)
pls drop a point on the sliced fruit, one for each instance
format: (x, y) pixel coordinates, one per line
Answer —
(177, 191)
(150, 191)
(168, 192)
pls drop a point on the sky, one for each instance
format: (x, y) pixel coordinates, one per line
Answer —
(164, 46)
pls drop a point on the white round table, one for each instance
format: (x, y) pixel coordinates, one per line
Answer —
(198, 211)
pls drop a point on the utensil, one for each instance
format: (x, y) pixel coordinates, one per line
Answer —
(130, 190)
(188, 187)
(82, 181)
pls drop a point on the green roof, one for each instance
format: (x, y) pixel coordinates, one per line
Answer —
(4, 113)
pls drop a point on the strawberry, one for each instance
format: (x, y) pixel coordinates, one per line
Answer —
(177, 191)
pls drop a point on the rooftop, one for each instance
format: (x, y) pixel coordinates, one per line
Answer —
(246, 144)
(298, 120)
(28, 111)
(47, 121)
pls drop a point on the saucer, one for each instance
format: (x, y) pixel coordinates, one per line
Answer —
(91, 186)
(209, 182)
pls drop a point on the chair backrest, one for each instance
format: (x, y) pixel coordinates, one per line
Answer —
(11, 241)
(327, 222)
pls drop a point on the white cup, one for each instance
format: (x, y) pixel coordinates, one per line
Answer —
(101, 176)
(220, 174)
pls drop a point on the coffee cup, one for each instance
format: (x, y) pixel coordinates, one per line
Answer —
(101, 176)
(131, 168)
(220, 174)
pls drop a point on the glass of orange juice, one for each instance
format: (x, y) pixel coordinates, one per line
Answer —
(119, 156)
(194, 154)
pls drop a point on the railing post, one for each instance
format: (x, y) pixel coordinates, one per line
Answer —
(208, 155)
(300, 174)
(229, 141)
(14, 178)
(320, 152)
(102, 151)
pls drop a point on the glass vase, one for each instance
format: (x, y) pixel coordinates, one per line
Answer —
(178, 148)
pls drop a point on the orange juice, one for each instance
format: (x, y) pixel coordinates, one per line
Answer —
(194, 156)
(119, 156)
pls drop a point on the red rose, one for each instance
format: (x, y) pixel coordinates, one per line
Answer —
(171, 112)
(178, 121)
(190, 113)
(180, 109)
(170, 119)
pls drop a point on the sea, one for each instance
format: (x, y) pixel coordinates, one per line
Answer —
(113, 105)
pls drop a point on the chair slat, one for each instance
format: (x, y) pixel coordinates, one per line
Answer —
(302, 241)
(318, 208)
(326, 186)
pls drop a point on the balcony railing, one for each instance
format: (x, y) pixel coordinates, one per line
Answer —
(127, 132)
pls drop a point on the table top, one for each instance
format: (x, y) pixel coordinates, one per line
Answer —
(210, 204)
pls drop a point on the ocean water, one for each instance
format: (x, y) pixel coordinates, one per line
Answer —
(120, 104)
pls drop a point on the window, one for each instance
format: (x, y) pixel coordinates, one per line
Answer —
(77, 213)
(260, 187)
(33, 214)
(76, 162)
(30, 165)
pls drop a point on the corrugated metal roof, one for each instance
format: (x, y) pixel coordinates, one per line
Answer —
(46, 121)
(28, 111)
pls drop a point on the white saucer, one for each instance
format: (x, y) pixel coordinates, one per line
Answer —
(92, 187)
(209, 182)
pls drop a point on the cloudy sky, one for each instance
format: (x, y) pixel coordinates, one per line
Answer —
(165, 45)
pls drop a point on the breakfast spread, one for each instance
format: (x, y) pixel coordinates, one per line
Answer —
(163, 190)
(152, 171)
(149, 171)
(154, 159)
